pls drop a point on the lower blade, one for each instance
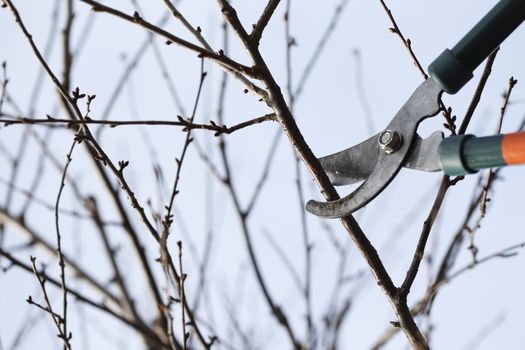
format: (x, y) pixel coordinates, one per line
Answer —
(352, 165)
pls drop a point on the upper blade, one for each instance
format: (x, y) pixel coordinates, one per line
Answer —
(424, 153)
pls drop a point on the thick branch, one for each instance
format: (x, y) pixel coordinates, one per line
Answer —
(287, 121)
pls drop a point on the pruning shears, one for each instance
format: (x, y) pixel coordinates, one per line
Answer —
(378, 159)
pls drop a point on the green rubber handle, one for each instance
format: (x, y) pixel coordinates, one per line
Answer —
(453, 68)
(466, 154)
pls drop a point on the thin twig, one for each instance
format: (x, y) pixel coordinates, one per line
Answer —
(238, 70)
(185, 335)
(36, 238)
(490, 177)
(306, 290)
(168, 219)
(61, 261)
(406, 41)
(287, 264)
(3, 85)
(477, 94)
(272, 151)
(57, 319)
(263, 20)
(137, 19)
(186, 123)
(197, 32)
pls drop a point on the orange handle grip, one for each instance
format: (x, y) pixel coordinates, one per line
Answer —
(513, 148)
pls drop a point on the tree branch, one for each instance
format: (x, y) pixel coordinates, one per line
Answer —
(262, 22)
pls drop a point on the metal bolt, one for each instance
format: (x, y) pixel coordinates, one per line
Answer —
(390, 141)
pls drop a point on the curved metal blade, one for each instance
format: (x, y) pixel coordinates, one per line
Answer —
(352, 165)
(422, 104)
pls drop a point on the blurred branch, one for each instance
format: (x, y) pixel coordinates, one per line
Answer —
(307, 274)
(67, 54)
(491, 326)
(128, 69)
(287, 264)
(166, 76)
(33, 198)
(129, 304)
(36, 238)
(84, 299)
(338, 11)
(3, 85)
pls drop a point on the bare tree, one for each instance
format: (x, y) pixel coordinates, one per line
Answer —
(160, 194)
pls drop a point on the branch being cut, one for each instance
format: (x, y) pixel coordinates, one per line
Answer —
(285, 118)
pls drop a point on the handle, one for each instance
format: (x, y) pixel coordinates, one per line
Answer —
(453, 68)
(466, 154)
